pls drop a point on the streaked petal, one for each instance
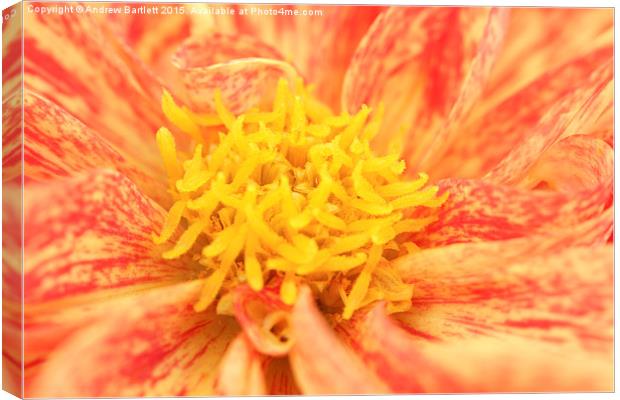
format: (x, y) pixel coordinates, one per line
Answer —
(560, 296)
(279, 378)
(319, 41)
(540, 39)
(420, 62)
(535, 115)
(570, 111)
(478, 211)
(56, 145)
(475, 365)
(153, 37)
(264, 318)
(241, 371)
(71, 60)
(243, 68)
(575, 163)
(12, 32)
(12, 137)
(89, 237)
(149, 345)
(321, 363)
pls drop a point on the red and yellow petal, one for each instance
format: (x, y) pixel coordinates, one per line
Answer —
(576, 163)
(90, 236)
(11, 50)
(319, 41)
(541, 39)
(479, 211)
(241, 370)
(264, 318)
(12, 137)
(482, 364)
(421, 62)
(93, 79)
(541, 292)
(320, 362)
(531, 119)
(153, 37)
(244, 69)
(149, 345)
(56, 144)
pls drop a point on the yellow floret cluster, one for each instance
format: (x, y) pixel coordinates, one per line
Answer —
(292, 195)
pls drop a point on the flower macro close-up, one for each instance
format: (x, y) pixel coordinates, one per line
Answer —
(229, 199)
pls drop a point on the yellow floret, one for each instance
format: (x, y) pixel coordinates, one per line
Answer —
(293, 194)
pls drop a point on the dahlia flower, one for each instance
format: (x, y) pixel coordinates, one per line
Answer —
(341, 199)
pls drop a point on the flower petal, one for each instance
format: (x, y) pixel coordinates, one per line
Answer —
(11, 51)
(241, 371)
(475, 365)
(577, 162)
(149, 345)
(279, 377)
(540, 39)
(90, 236)
(153, 37)
(419, 61)
(259, 313)
(71, 60)
(12, 136)
(243, 68)
(56, 144)
(321, 364)
(537, 114)
(559, 296)
(318, 40)
(477, 210)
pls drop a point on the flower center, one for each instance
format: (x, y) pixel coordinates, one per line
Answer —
(294, 194)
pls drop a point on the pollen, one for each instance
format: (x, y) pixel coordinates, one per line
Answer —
(294, 196)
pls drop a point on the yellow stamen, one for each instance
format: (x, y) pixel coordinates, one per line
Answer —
(294, 193)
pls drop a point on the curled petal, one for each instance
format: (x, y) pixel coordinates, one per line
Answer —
(240, 371)
(154, 344)
(559, 296)
(243, 68)
(90, 236)
(319, 40)
(265, 319)
(474, 365)
(95, 83)
(321, 364)
(477, 210)
(56, 145)
(419, 61)
(577, 162)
